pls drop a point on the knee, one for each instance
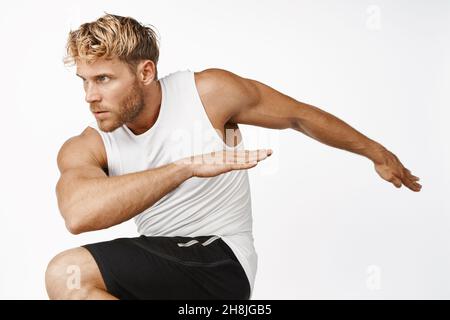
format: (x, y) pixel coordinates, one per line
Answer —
(63, 276)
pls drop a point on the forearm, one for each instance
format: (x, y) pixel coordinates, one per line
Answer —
(330, 130)
(99, 203)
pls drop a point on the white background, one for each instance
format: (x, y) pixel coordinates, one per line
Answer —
(325, 225)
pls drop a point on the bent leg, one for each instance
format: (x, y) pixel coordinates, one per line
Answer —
(74, 274)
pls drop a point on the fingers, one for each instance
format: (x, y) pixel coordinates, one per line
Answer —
(410, 181)
(247, 159)
(228, 157)
(242, 166)
(407, 179)
(410, 176)
(414, 186)
(244, 159)
(247, 156)
(258, 155)
(396, 182)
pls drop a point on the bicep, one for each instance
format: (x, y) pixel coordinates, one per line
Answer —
(76, 162)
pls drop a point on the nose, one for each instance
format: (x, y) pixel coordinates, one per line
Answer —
(92, 94)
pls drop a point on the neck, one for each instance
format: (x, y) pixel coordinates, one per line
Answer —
(152, 104)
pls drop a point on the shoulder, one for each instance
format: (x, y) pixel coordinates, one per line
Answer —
(214, 79)
(85, 148)
(225, 88)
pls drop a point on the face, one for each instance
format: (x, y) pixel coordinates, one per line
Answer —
(112, 91)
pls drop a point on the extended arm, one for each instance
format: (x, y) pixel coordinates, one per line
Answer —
(251, 102)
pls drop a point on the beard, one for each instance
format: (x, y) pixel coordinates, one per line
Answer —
(129, 108)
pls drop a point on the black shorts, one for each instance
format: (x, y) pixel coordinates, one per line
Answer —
(180, 268)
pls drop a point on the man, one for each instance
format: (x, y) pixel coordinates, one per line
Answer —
(169, 154)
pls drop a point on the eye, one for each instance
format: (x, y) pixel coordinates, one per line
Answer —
(102, 78)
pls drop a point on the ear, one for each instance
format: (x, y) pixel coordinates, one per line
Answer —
(146, 71)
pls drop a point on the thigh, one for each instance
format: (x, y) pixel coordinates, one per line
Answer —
(170, 268)
(89, 271)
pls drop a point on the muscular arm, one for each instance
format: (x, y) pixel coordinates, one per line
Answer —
(90, 200)
(251, 102)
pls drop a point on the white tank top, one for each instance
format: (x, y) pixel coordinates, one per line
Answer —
(199, 206)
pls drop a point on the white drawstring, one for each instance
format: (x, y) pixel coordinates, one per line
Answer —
(190, 243)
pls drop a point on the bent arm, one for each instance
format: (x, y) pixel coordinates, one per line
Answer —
(99, 203)
(90, 200)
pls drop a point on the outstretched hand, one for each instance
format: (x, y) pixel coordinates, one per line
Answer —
(391, 169)
(215, 163)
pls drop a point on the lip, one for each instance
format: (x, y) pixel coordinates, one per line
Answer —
(101, 114)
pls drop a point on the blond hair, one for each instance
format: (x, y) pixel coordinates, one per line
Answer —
(113, 36)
